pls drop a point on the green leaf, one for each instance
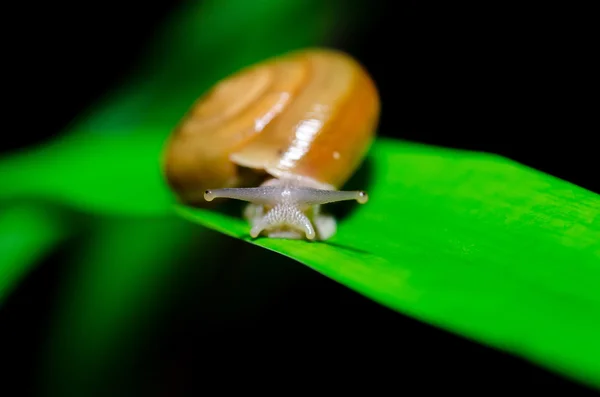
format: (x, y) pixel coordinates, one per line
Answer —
(109, 306)
(106, 174)
(470, 242)
(27, 234)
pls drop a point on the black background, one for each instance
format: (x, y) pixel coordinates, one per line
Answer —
(509, 78)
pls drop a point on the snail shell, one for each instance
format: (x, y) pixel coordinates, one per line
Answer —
(306, 118)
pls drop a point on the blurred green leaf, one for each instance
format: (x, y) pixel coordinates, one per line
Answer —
(106, 171)
(470, 242)
(124, 275)
(27, 233)
(107, 174)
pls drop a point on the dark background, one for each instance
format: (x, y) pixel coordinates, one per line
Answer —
(508, 78)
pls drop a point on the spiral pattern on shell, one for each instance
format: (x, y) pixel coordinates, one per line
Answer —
(308, 115)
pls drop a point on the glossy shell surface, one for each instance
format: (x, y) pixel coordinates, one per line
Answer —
(308, 115)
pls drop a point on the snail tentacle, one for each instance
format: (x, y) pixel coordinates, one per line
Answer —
(273, 195)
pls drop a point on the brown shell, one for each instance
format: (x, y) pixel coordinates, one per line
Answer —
(310, 114)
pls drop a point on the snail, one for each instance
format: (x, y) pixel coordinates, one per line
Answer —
(283, 134)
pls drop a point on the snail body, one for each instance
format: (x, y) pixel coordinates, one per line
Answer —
(283, 134)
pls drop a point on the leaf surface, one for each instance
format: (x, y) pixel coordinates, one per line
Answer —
(27, 234)
(471, 242)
